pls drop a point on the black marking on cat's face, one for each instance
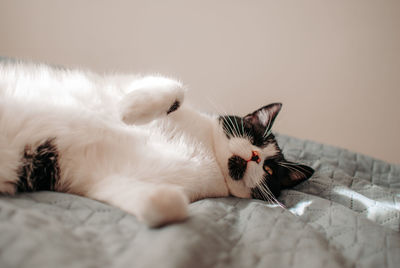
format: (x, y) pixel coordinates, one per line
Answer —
(175, 106)
(235, 126)
(39, 170)
(237, 166)
(255, 126)
(278, 173)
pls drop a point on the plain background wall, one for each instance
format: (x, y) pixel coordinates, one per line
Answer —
(334, 64)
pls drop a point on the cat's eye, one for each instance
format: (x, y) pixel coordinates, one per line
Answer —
(268, 170)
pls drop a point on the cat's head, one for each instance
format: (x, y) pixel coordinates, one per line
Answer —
(250, 158)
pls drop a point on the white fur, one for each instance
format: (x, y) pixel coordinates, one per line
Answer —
(116, 142)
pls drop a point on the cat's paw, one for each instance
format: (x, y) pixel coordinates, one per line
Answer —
(151, 98)
(7, 187)
(164, 205)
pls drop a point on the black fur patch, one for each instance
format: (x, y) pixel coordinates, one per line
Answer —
(174, 107)
(237, 166)
(39, 170)
(235, 126)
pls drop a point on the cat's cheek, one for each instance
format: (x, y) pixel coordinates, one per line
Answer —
(254, 175)
(162, 206)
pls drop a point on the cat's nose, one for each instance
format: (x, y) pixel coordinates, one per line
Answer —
(255, 156)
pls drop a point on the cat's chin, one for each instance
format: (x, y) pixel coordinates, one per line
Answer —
(238, 188)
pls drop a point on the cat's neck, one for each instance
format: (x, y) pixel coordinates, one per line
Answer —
(203, 130)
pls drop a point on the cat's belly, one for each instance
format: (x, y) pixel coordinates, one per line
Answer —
(146, 156)
(187, 163)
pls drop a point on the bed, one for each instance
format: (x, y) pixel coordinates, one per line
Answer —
(346, 215)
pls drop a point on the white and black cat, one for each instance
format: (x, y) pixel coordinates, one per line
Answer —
(131, 142)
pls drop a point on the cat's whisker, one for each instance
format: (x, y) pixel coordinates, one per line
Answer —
(261, 187)
(228, 128)
(218, 109)
(266, 197)
(242, 126)
(288, 167)
(268, 133)
(246, 135)
(266, 193)
(295, 166)
(265, 187)
(269, 122)
(231, 126)
(289, 163)
(269, 196)
(215, 106)
(237, 126)
(294, 170)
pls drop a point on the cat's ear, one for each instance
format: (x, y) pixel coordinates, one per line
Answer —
(292, 174)
(264, 116)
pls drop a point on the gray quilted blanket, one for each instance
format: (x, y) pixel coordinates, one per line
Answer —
(346, 215)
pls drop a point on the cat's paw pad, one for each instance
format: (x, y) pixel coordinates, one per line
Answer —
(152, 98)
(175, 106)
(164, 205)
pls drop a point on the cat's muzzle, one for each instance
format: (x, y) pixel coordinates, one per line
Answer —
(237, 165)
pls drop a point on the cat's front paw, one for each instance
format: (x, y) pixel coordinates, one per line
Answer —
(164, 205)
(151, 98)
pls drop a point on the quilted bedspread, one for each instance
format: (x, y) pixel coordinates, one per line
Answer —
(346, 215)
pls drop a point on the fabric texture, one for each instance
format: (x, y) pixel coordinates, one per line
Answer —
(346, 215)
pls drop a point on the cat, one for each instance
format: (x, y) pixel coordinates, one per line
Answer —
(132, 142)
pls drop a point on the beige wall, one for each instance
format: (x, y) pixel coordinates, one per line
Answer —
(334, 64)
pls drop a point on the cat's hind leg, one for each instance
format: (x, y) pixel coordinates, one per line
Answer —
(150, 98)
(9, 163)
(162, 205)
(153, 204)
